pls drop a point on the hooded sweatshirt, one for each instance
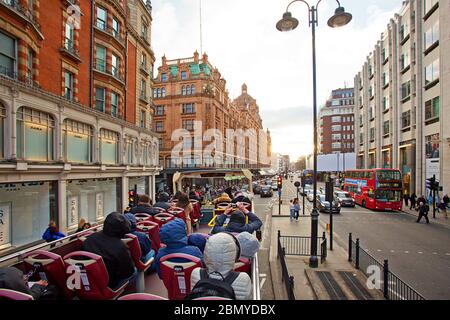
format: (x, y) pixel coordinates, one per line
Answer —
(144, 242)
(220, 256)
(108, 244)
(12, 278)
(237, 223)
(173, 235)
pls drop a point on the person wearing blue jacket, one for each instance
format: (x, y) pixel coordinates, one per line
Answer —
(174, 236)
(52, 233)
(235, 223)
(144, 241)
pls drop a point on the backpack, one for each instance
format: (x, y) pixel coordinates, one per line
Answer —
(210, 287)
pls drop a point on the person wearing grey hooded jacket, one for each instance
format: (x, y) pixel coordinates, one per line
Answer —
(220, 256)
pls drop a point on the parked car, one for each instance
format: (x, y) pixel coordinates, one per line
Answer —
(266, 191)
(310, 195)
(324, 206)
(275, 186)
(344, 199)
(256, 188)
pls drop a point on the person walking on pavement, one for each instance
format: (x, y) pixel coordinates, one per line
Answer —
(421, 199)
(412, 199)
(445, 206)
(423, 212)
(296, 208)
(406, 198)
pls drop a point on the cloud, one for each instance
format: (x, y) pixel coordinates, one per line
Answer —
(241, 40)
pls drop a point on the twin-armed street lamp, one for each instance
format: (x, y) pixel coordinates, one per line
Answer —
(288, 23)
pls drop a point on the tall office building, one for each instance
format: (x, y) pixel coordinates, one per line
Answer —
(402, 99)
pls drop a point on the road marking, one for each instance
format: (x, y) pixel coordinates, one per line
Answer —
(435, 253)
(406, 251)
(379, 250)
(392, 251)
(447, 254)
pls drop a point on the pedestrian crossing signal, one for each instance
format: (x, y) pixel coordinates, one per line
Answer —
(432, 184)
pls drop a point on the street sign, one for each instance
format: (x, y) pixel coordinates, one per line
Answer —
(297, 184)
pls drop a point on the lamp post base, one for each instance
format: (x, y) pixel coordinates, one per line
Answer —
(313, 262)
(313, 259)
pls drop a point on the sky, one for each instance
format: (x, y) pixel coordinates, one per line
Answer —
(241, 40)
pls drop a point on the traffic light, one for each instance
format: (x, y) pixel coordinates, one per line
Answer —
(432, 184)
(131, 196)
(280, 182)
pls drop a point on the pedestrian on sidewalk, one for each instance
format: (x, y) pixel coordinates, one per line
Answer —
(421, 199)
(292, 210)
(406, 198)
(296, 208)
(423, 211)
(443, 209)
(412, 199)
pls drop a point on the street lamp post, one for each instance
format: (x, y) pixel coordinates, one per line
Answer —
(288, 23)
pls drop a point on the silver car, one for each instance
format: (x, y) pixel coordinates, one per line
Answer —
(344, 199)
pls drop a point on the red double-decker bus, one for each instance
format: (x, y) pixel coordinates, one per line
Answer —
(376, 189)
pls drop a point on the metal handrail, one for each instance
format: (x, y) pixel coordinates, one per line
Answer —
(255, 279)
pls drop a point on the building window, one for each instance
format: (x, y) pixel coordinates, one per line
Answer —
(384, 55)
(8, 55)
(30, 59)
(385, 103)
(163, 92)
(432, 35)
(372, 134)
(142, 119)
(387, 159)
(404, 61)
(336, 119)
(432, 110)
(386, 128)
(336, 128)
(144, 30)
(164, 77)
(77, 141)
(2, 128)
(406, 119)
(159, 126)
(188, 108)
(35, 135)
(385, 78)
(183, 75)
(160, 110)
(100, 58)
(188, 125)
(370, 92)
(129, 148)
(109, 141)
(68, 85)
(143, 89)
(144, 61)
(432, 143)
(100, 99)
(116, 28)
(404, 31)
(26, 209)
(371, 113)
(432, 72)
(92, 199)
(102, 17)
(115, 68)
(69, 43)
(429, 4)
(161, 143)
(114, 104)
(336, 145)
(406, 90)
(183, 90)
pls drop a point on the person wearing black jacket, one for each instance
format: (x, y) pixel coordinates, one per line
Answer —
(423, 212)
(413, 201)
(144, 241)
(163, 201)
(144, 205)
(109, 246)
(236, 221)
(13, 279)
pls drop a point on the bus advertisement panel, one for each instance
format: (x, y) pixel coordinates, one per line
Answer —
(375, 189)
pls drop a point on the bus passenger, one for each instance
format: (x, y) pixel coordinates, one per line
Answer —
(13, 279)
(144, 241)
(221, 253)
(184, 203)
(163, 201)
(52, 233)
(144, 205)
(108, 244)
(173, 235)
(237, 221)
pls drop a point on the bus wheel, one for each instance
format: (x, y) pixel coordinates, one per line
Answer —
(364, 203)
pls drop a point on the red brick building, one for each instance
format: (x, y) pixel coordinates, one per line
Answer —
(75, 111)
(337, 123)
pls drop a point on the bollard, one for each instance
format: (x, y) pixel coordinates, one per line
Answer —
(386, 279)
(357, 254)
(350, 247)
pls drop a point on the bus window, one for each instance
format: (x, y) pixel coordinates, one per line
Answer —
(388, 175)
(389, 195)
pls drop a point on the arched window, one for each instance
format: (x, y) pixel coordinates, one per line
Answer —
(2, 129)
(35, 135)
(77, 141)
(109, 144)
(183, 90)
(159, 93)
(188, 90)
(163, 92)
(193, 89)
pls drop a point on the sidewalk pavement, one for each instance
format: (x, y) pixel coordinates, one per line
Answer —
(440, 217)
(306, 283)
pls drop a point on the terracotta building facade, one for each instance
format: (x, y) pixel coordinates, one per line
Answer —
(71, 143)
(190, 94)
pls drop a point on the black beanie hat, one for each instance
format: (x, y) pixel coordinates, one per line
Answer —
(238, 217)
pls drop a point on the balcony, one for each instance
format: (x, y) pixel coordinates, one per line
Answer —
(144, 69)
(100, 67)
(115, 34)
(70, 50)
(143, 97)
(9, 74)
(23, 12)
(144, 38)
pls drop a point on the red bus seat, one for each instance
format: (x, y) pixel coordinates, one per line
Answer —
(143, 217)
(176, 276)
(132, 242)
(141, 296)
(7, 294)
(94, 276)
(52, 266)
(244, 265)
(178, 213)
(152, 229)
(163, 218)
